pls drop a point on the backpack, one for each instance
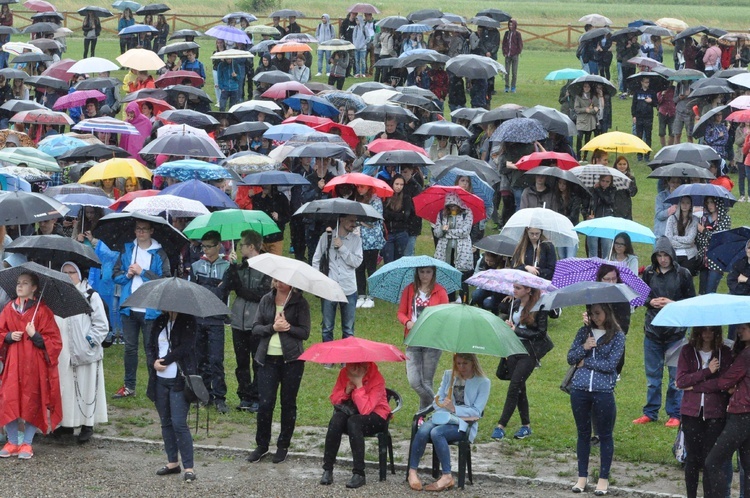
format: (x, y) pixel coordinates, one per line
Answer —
(678, 448)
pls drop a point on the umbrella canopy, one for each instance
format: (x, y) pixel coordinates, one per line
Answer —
(249, 162)
(189, 117)
(93, 65)
(479, 187)
(552, 120)
(497, 244)
(367, 86)
(183, 144)
(392, 22)
(710, 91)
(117, 229)
(29, 156)
(431, 201)
(95, 152)
(608, 227)
(230, 223)
(54, 250)
(443, 129)
(422, 14)
(228, 33)
(172, 205)
(126, 4)
(152, 9)
(116, 168)
(742, 80)
(657, 82)
(248, 128)
(290, 46)
(318, 105)
(178, 47)
(561, 160)
(299, 275)
(586, 293)
(682, 170)
(25, 208)
(496, 14)
(238, 16)
(323, 149)
(31, 57)
(140, 59)
(565, 74)
(381, 188)
(78, 99)
(281, 89)
(379, 97)
(573, 270)
(347, 133)
(73, 188)
(742, 116)
(589, 175)
(351, 350)
(286, 13)
(697, 154)
(330, 209)
(466, 163)
(459, 328)
(699, 129)
(728, 246)
(593, 34)
(366, 128)
(42, 116)
(277, 178)
(467, 114)
(400, 157)
(177, 295)
(527, 179)
(344, 99)
(672, 24)
(192, 169)
(502, 281)
(485, 22)
(56, 288)
(474, 66)
(171, 78)
(595, 20)
(519, 130)
(556, 228)
(106, 125)
(501, 113)
(705, 310)
(24, 173)
(576, 87)
(92, 200)
(617, 142)
(699, 191)
(382, 112)
(126, 199)
(389, 282)
(232, 54)
(204, 193)
(285, 132)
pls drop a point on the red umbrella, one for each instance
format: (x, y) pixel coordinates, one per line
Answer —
(42, 116)
(311, 121)
(352, 350)
(286, 89)
(39, 6)
(177, 78)
(563, 160)
(128, 198)
(431, 201)
(77, 99)
(346, 132)
(382, 189)
(742, 116)
(159, 105)
(388, 144)
(59, 69)
(363, 8)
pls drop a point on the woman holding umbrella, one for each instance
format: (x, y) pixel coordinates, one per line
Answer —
(587, 109)
(373, 241)
(92, 28)
(452, 229)
(134, 143)
(535, 254)
(682, 228)
(126, 20)
(715, 219)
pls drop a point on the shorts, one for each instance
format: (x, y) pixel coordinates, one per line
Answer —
(665, 122)
(685, 120)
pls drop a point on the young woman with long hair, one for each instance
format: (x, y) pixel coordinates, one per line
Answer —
(373, 240)
(623, 252)
(682, 228)
(397, 212)
(535, 254)
(624, 198)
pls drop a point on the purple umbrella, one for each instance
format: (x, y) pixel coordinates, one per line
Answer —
(502, 281)
(572, 270)
(228, 33)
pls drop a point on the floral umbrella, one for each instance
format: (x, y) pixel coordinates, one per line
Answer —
(502, 281)
(519, 130)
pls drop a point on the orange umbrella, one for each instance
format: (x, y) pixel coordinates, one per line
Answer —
(290, 47)
(159, 105)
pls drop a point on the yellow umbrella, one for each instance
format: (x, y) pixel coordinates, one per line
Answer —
(140, 60)
(116, 168)
(617, 141)
(672, 24)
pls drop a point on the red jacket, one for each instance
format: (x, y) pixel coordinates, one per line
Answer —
(689, 374)
(136, 85)
(406, 307)
(30, 380)
(737, 376)
(370, 398)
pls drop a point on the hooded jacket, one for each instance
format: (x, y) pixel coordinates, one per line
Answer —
(512, 41)
(134, 143)
(209, 276)
(691, 374)
(250, 286)
(325, 30)
(456, 239)
(676, 284)
(159, 268)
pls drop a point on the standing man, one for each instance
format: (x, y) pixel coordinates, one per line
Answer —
(282, 31)
(371, 29)
(512, 48)
(346, 32)
(193, 64)
(293, 26)
(412, 187)
(684, 116)
(141, 261)
(340, 253)
(323, 33)
(642, 110)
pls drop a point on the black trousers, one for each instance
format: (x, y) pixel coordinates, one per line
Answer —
(357, 427)
(735, 436)
(89, 43)
(700, 436)
(367, 268)
(275, 373)
(245, 347)
(521, 366)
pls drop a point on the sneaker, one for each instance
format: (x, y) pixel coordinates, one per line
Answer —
(9, 450)
(360, 301)
(369, 303)
(523, 432)
(318, 74)
(189, 476)
(512, 90)
(672, 422)
(124, 392)
(257, 454)
(741, 199)
(221, 406)
(25, 452)
(498, 433)
(507, 89)
(643, 420)
(280, 455)
(328, 365)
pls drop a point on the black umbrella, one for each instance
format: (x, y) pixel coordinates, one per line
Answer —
(657, 82)
(498, 114)
(153, 9)
(593, 34)
(117, 229)
(96, 152)
(576, 87)
(527, 179)
(274, 177)
(400, 157)
(682, 170)
(31, 57)
(466, 163)
(728, 73)
(485, 22)
(716, 32)
(24, 208)
(178, 47)
(13, 106)
(173, 90)
(420, 59)
(692, 31)
(421, 15)
(98, 84)
(41, 27)
(11, 73)
(497, 244)
(54, 250)
(474, 66)
(154, 93)
(178, 295)
(552, 120)
(386, 111)
(8, 30)
(496, 14)
(76, 171)
(249, 128)
(323, 149)
(392, 22)
(185, 33)
(56, 288)
(272, 77)
(189, 117)
(700, 126)
(443, 129)
(416, 101)
(387, 62)
(46, 44)
(183, 144)
(710, 91)
(687, 153)
(368, 86)
(264, 46)
(625, 34)
(712, 81)
(50, 16)
(468, 113)
(48, 82)
(328, 209)
(97, 11)
(231, 117)
(585, 293)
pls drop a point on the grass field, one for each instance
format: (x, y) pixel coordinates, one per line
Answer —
(552, 422)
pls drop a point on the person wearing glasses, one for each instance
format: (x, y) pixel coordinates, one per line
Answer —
(141, 261)
(208, 272)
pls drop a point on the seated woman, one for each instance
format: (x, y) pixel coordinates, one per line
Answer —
(461, 399)
(360, 409)
(485, 299)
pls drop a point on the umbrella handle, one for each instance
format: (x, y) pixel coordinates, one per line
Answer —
(33, 317)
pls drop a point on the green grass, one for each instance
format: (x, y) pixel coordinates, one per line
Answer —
(552, 422)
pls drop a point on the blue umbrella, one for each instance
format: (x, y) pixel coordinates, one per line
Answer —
(192, 169)
(699, 191)
(274, 178)
(565, 74)
(519, 130)
(346, 99)
(609, 226)
(284, 132)
(479, 187)
(728, 247)
(126, 4)
(204, 193)
(11, 183)
(57, 145)
(390, 281)
(84, 200)
(413, 28)
(319, 106)
(138, 28)
(705, 310)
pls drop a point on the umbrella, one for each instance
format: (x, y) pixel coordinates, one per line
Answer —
(431, 201)
(565, 74)
(172, 205)
(140, 59)
(191, 91)
(189, 117)
(284, 132)
(593, 34)
(299, 275)
(230, 34)
(46, 81)
(742, 116)
(496, 14)
(25, 208)
(30, 157)
(644, 61)
(499, 114)
(519, 130)
(586, 293)
(73, 188)
(177, 295)
(98, 84)
(290, 46)
(554, 172)
(478, 186)
(595, 20)
(282, 89)
(682, 170)
(367, 86)
(379, 97)
(722, 85)
(552, 120)
(264, 46)
(330, 209)
(421, 15)
(186, 33)
(207, 194)
(152, 9)
(728, 246)
(656, 31)
(413, 28)
(366, 128)
(657, 82)
(363, 8)
(106, 125)
(710, 91)
(618, 142)
(409, 100)
(699, 129)
(230, 223)
(11, 74)
(238, 16)
(705, 310)
(741, 80)
(459, 328)
(116, 168)
(40, 28)
(93, 65)
(136, 29)
(97, 11)
(697, 154)
(389, 282)
(249, 128)
(54, 250)
(286, 13)
(92, 200)
(158, 106)
(391, 22)
(126, 199)
(672, 24)
(232, 54)
(323, 149)
(497, 244)
(485, 22)
(177, 47)
(95, 152)
(46, 44)
(56, 145)
(576, 87)
(183, 144)
(562, 160)
(557, 228)
(467, 113)
(126, 4)
(573, 270)
(18, 48)
(318, 105)
(474, 66)
(741, 102)
(699, 191)
(351, 350)
(57, 290)
(24, 173)
(30, 57)
(443, 129)
(192, 169)
(501, 281)
(347, 133)
(249, 162)
(400, 157)
(171, 78)
(117, 229)
(262, 30)
(78, 99)
(608, 227)
(589, 175)
(42, 116)
(686, 75)
(345, 99)
(381, 188)
(420, 57)
(466, 163)
(15, 106)
(277, 178)
(154, 93)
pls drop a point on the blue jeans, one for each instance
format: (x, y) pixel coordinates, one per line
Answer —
(744, 173)
(131, 325)
(324, 55)
(231, 96)
(486, 300)
(410, 246)
(441, 436)
(360, 61)
(708, 281)
(421, 364)
(28, 433)
(567, 252)
(209, 352)
(593, 67)
(517, 193)
(173, 412)
(395, 246)
(593, 244)
(620, 80)
(347, 317)
(653, 359)
(601, 407)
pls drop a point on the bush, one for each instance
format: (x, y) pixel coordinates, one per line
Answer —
(257, 5)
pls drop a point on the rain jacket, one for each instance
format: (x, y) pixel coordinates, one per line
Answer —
(134, 143)
(624, 201)
(684, 243)
(531, 198)
(676, 284)
(325, 30)
(703, 239)
(585, 118)
(741, 267)
(406, 305)
(181, 350)
(457, 238)
(690, 374)
(544, 259)
(30, 380)
(210, 276)
(297, 313)
(641, 109)
(599, 370)
(372, 236)
(274, 203)
(159, 268)
(370, 398)
(512, 41)
(361, 35)
(250, 286)
(476, 394)
(736, 376)
(225, 80)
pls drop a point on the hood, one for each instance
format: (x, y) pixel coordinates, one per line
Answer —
(326, 18)
(135, 109)
(155, 246)
(512, 25)
(662, 245)
(452, 198)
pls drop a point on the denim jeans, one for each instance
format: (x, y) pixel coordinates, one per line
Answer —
(643, 130)
(410, 246)
(173, 413)
(735, 436)
(131, 325)
(521, 366)
(245, 347)
(653, 359)
(324, 55)
(11, 428)
(209, 352)
(360, 61)
(593, 67)
(230, 96)
(357, 427)
(421, 364)
(620, 80)
(567, 252)
(708, 281)
(511, 65)
(347, 317)
(593, 244)
(441, 436)
(395, 246)
(288, 374)
(601, 407)
(486, 300)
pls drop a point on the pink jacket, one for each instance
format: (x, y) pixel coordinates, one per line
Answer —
(712, 57)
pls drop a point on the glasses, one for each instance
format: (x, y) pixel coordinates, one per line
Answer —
(142, 229)
(205, 246)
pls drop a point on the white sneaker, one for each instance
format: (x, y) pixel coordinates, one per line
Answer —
(318, 74)
(458, 300)
(369, 303)
(360, 301)
(328, 74)
(742, 198)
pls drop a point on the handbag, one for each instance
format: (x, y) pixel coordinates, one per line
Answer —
(503, 372)
(568, 379)
(348, 408)
(195, 390)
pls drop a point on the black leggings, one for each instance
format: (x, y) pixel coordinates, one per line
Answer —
(583, 137)
(735, 436)
(89, 42)
(700, 436)
(367, 268)
(521, 366)
(357, 427)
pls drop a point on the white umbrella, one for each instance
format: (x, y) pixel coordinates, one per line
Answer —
(555, 227)
(299, 275)
(596, 20)
(17, 48)
(171, 204)
(253, 105)
(232, 54)
(93, 65)
(181, 129)
(378, 97)
(589, 175)
(366, 128)
(281, 152)
(140, 59)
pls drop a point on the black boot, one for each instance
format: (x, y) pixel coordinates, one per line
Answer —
(327, 478)
(86, 432)
(357, 481)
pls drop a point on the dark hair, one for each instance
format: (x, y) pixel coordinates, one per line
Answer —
(738, 344)
(252, 238)
(696, 340)
(605, 269)
(598, 154)
(396, 201)
(519, 255)
(34, 279)
(527, 316)
(628, 243)
(416, 277)
(212, 236)
(611, 327)
(150, 225)
(682, 224)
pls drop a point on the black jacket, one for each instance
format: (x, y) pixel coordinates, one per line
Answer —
(603, 202)
(250, 286)
(546, 259)
(274, 203)
(296, 312)
(639, 108)
(534, 337)
(624, 201)
(741, 267)
(398, 221)
(181, 350)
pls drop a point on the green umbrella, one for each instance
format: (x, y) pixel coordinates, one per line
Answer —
(230, 223)
(30, 157)
(460, 328)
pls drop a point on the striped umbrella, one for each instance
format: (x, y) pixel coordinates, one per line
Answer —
(106, 125)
